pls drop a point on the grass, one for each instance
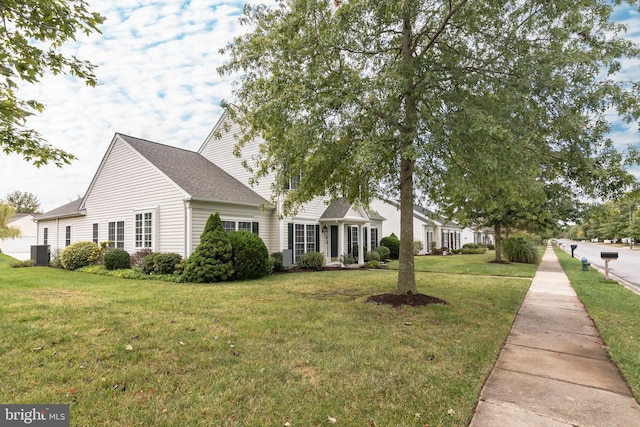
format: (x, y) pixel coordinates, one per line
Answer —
(291, 348)
(478, 265)
(615, 311)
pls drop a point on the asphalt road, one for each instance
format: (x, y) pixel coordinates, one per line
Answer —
(626, 267)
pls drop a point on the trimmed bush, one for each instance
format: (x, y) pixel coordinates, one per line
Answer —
(161, 263)
(393, 243)
(470, 246)
(116, 259)
(77, 255)
(384, 252)
(212, 260)
(372, 256)
(311, 261)
(276, 261)
(518, 249)
(250, 256)
(373, 264)
(23, 263)
(471, 250)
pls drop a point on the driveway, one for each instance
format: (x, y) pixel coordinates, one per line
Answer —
(626, 267)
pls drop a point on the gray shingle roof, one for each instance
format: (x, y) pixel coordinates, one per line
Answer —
(69, 210)
(196, 175)
(339, 208)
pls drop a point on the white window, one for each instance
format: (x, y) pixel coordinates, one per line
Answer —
(374, 238)
(45, 236)
(304, 239)
(67, 235)
(116, 234)
(95, 233)
(230, 225)
(144, 230)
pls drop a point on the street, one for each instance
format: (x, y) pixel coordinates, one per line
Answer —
(626, 267)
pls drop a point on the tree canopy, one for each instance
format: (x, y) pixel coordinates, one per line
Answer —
(32, 34)
(371, 98)
(6, 232)
(23, 202)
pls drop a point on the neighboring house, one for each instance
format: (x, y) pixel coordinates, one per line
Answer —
(428, 228)
(20, 247)
(146, 195)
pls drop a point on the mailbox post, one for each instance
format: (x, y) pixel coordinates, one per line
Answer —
(573, 248)
(608, 256)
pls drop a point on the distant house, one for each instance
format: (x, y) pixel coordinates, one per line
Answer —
(20, 247)
(429, 229)
(147, 195)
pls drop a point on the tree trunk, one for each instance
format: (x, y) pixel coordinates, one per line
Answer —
(406, 271)
(497, 231)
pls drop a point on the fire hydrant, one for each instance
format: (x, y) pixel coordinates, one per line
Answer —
(585, 264)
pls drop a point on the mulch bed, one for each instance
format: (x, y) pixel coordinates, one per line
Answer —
(415, 300)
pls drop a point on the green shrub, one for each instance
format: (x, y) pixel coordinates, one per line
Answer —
(160, 263)
(311, 261)
(77, 255)
(23, 263)
(384, 252)
(347, 259)
(470, 246)
(417, 247)
(276, 261)
(491, 247)
(393, 243)
(116, 259)
(518, 249)
(212, 260)
(372, 256)
(373, 264)
(250, 256)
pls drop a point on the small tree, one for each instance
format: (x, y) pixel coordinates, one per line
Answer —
(250, 256)
(212, 260)
(6, 232)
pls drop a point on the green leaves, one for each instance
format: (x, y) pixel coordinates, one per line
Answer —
(33, 31)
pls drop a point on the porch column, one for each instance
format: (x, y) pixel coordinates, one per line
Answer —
(341, 242)
(360, 249)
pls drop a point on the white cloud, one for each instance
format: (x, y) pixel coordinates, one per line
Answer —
(157, 80)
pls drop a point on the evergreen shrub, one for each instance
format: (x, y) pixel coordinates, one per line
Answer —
(393, 243)
(212, 260)
(250, 256)
(372, 256)
(161, 263)
(276, 261)
(116, 259)
(384, 252)
(77, 255)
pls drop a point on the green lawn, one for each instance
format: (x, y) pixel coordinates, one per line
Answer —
(616, 312)
(479, 265)
(291, 348)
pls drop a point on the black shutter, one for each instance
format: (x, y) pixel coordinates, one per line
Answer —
(254, 228)
(317, 238)
(290, 236)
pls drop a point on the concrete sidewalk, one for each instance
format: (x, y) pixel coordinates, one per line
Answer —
(553, 370)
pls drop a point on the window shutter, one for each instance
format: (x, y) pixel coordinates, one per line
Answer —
(348, 239)
(290, 236)
(365, 233)
(254, 228)
(317, 238)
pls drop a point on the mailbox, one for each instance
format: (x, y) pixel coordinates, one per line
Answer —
(609, 255)
(573, 248)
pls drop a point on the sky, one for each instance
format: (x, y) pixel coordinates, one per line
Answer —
(157, 62)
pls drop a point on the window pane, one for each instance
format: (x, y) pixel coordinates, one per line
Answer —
(299, 240)
(311, 238)
(229, 225)
(120, 235)
(148, 236)
(244, 226)
(138, 230)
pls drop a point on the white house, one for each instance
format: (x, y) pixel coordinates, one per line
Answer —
(146, 195)
(20, 247)
(430, 229)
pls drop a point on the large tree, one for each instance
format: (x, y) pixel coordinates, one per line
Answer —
(363, 96)
(23, 202)
(32, 34)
